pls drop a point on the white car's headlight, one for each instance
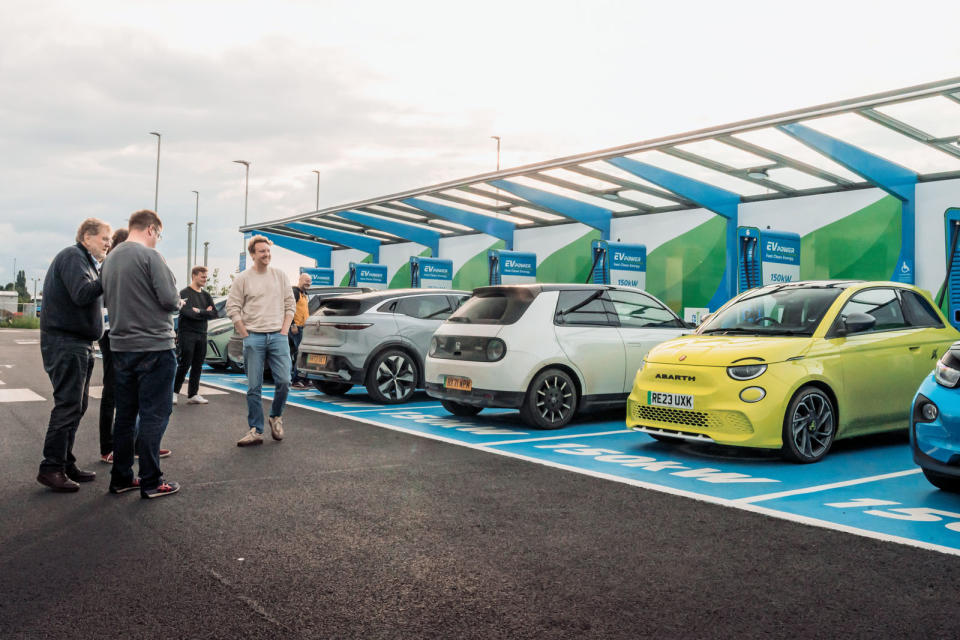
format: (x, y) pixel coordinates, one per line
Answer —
(746, 371)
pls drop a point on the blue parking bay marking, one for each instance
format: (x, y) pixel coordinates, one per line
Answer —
(866, 487)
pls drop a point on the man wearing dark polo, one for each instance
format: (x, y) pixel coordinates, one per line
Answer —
(142, 297)
(192, 335)
(70, 320)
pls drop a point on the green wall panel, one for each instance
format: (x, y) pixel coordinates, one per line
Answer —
(863, 245)
(571, 263)
(686, 271)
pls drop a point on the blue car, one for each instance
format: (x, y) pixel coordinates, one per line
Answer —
(935, 423)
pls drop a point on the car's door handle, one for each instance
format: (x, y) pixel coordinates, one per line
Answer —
(914, 348)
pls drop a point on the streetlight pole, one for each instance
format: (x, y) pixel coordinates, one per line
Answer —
(318, 189)
(497, 138)
(189, 249)
(156, 189)
(196, 226)
(206, 252)
(246, 191)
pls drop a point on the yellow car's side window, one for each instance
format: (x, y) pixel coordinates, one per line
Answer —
(882, 304)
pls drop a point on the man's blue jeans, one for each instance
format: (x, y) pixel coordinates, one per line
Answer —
(274, 350)
(144, 388)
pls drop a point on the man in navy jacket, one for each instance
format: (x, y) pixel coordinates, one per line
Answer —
(71, 319)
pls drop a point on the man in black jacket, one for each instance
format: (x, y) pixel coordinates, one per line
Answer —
(70, 320)
(192, 334)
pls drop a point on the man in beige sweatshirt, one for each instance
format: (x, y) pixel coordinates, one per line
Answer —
(261, 306)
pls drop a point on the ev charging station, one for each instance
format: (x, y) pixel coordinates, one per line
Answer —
(320, 276)
(766, 257)
(619, 263)
(431, 273)
(512, 267)
(951, 284)
(363, 274)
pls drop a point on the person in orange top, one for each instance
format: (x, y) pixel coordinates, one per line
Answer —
(296, 328)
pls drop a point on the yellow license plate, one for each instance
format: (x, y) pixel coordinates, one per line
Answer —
(318, 359)
(458, 383)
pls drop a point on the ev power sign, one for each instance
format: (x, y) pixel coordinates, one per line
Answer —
(363, 274)
(628, 264)
(512, 267)
(319, 276)
(780, 257)
(431, 273)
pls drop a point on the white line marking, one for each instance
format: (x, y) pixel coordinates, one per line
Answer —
(580, 435)
(210, 391)
(96, 391)
(826, 487)
(27, 341)
(388, 410)
(724, 502)
(20, 395)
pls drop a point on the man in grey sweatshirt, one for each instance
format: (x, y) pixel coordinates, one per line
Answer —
(141, 297)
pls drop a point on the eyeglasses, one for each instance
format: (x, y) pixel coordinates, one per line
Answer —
(156, 230)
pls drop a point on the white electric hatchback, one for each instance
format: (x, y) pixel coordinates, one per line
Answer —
(547, 349)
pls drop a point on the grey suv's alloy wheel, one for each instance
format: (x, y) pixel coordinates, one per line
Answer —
(392, 377)
(460, 409)
(332, 388)
(551, 400)
(809, 426)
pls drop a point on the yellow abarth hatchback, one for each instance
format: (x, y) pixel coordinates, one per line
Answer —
(794, 367)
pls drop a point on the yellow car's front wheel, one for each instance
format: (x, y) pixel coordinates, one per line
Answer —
(809, 426)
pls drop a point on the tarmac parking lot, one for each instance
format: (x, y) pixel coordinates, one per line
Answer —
(404, 521)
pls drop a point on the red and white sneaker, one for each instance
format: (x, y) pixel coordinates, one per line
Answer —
(107, 458)
(165, 488)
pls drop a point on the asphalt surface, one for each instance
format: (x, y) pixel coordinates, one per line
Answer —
(347, 530)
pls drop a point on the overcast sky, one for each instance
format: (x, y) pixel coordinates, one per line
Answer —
(386, 96)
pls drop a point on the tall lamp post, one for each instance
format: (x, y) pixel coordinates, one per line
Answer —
(246, 190)
(189, 249)
(206, 252)
(497, 138)
(156, 188)
(318, 189)
(196, 227)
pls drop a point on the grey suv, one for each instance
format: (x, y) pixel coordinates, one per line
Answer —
(377, 339)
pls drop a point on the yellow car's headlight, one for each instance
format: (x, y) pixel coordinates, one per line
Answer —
(746, 371)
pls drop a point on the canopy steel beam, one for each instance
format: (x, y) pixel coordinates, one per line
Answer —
(911, 132)
(720, 201)
(783, 160)
(426, 237)
(633, 186)
(579, 188)
(728, 170)
(346, 238)
(896, 180)
(485, 224)
(314, 250)
(585, 213)
(479, 205)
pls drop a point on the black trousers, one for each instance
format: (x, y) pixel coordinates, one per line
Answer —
(108, 399)
(191, 350)
(69, 363)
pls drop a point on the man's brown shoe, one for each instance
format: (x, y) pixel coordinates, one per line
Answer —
(276, 427)
(79, 475)
(250, 439)
(58, 481)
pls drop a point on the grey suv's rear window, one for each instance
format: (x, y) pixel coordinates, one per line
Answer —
(345, 307)
(493, 308)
